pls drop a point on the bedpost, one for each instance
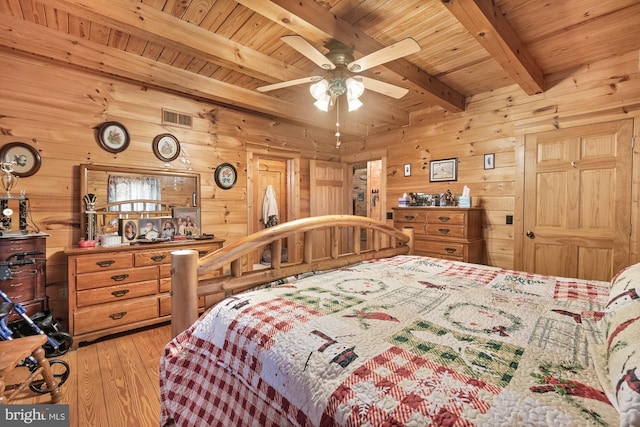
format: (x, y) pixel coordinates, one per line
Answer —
(184, 290)
(409, 232)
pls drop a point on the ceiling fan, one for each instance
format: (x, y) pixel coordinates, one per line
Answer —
(342, 64)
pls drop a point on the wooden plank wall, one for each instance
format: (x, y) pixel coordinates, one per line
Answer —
(55, 107)
(496, 122)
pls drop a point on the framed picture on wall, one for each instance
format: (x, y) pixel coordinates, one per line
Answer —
(489, 161)
(187, 221)
(443, 170)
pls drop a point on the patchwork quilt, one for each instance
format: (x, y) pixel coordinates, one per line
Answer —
(404, 341)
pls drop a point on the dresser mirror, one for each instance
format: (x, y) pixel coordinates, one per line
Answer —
(115, 193)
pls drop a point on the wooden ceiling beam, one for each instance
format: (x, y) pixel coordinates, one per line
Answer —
(148, 23)
(308, 18)
(51, 44)
(143, 21)
(492, 30)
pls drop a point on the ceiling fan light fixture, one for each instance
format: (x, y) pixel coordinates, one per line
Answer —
(320, 92)
(323, 104)
(355, 89)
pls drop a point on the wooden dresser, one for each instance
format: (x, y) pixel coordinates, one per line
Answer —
(27, 283)
(116, 289)
(444, 232)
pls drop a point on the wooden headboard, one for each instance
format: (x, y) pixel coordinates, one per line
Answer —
(192, 278)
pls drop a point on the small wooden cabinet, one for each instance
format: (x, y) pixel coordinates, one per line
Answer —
(444, 232)
(27, 283)
(116, 289)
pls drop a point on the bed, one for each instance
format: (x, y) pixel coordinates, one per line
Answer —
(375, 336)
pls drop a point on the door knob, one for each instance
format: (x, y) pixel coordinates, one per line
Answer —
(530, 234)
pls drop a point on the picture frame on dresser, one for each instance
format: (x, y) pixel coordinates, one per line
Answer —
(187, 221)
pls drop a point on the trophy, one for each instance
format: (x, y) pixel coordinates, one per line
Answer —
(9, 180)
(90, 201)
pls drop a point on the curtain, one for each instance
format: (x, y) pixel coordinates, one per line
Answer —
(127, 188)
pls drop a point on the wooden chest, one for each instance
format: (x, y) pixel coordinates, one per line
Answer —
(444, 232)
(27, 283)
(116, 289)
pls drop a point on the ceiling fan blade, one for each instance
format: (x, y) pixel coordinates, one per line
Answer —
(288, 83)
(386, 54)
(383, 88)
(305, 48)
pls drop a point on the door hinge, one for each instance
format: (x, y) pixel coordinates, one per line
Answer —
(633, 141)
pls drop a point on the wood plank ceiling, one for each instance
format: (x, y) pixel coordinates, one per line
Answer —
(222, 50)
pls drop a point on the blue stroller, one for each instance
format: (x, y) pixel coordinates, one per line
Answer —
(58, 342)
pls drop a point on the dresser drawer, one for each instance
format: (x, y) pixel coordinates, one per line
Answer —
(102, 262)
(9, 247)
(115, 277)
(440, 249)
(445, 230)
(418, 229)
(152, 258)
(206, 250)
(446, 217)
(411, 216)
(165, 270)
(116, 293)
(20, 289)
(31, 308)
(95, 318)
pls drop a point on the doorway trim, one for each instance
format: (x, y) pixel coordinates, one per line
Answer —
(381, 155)
(293, 191)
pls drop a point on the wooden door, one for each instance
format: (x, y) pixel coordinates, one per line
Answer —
(577, 201)
(329, 195)
(268, 171)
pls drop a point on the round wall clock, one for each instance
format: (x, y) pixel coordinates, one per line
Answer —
(226, 176)
(24, 158)
(113, 137)
(166, 147)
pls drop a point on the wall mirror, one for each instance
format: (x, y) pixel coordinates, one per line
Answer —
(123, 192)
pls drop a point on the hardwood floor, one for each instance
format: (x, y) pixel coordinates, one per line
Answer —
(112, 382)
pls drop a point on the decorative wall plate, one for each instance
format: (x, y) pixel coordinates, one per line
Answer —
(113, 137)
(226, 176)
(166, 147)
(26, 160)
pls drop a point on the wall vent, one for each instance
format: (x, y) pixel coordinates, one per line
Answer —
(175, 118)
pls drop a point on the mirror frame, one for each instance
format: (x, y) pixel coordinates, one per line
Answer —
(86, 168)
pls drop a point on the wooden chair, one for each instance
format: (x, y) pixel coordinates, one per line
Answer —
(14, 351)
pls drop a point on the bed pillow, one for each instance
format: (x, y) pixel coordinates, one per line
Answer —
(622, 323)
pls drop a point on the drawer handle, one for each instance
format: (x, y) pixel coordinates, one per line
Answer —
(158, 258)
(120, 293)
(118, 316)
(16, 285)
(106, 263)
(450, 250)
(444, 218)
(443, 230)
(409, 217)
(202, 253)
(119, 277)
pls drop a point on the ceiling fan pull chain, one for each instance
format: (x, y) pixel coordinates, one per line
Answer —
(338, 125)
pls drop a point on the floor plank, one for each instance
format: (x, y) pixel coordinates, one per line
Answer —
(111, 382)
